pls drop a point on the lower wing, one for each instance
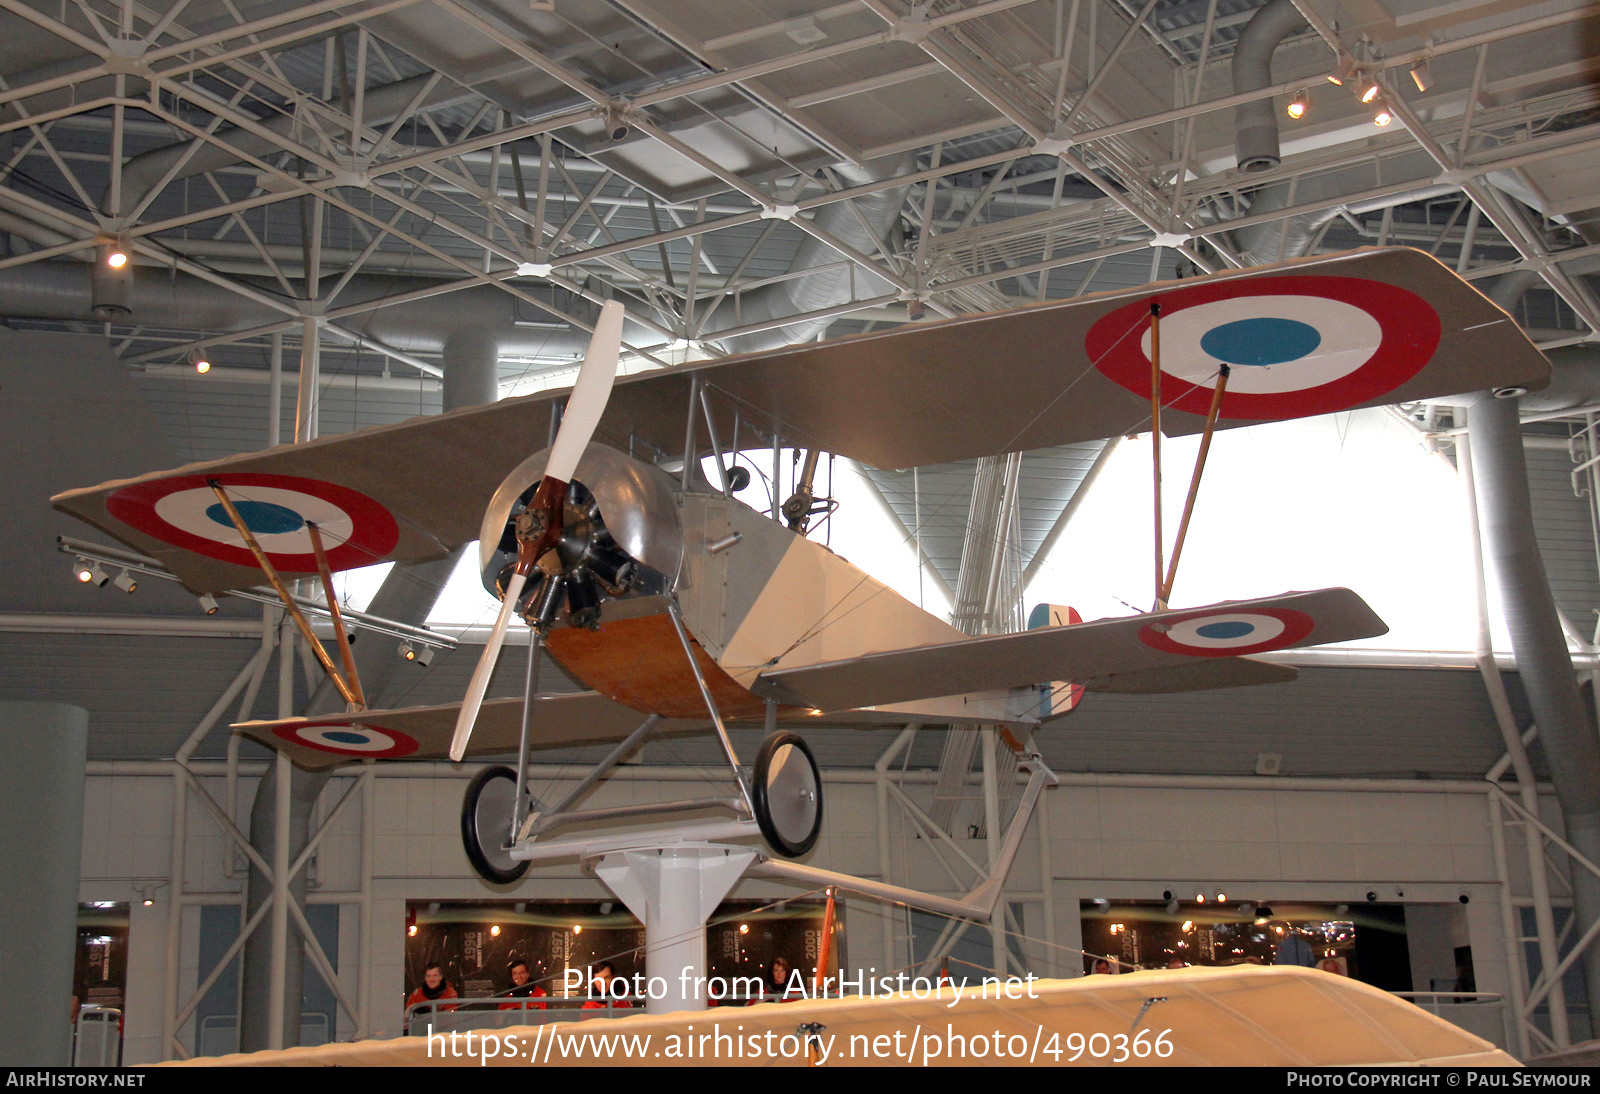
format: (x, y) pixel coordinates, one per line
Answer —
(423, 733)
(1179, 650)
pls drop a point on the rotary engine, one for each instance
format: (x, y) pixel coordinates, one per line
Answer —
(637, 554)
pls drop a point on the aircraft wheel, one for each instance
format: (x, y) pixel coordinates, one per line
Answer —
(788, 795)
(486, 822)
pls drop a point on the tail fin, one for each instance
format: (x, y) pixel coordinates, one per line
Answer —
(1057, 697)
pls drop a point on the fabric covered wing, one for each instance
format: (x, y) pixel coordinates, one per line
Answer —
(1136, 649)
(1304, 338)
(1201, 674)
(1366, 328)
(423, 733)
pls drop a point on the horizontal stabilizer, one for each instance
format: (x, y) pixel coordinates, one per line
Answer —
(1139, 648)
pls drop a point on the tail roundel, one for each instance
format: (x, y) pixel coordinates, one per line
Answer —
(1057, 697)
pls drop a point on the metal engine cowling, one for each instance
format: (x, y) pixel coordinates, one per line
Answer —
(622, 536)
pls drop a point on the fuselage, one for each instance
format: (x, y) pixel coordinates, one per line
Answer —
(753, 595)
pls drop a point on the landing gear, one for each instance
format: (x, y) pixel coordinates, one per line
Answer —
(787, 794)
(486, 811)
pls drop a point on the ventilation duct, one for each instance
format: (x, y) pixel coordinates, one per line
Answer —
(1255, 124)
(1565, 727)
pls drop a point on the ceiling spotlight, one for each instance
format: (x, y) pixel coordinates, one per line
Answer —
(90, 573)
(1200, 898)
(114, 253)
(147, 896)
(422, 655)
(1369, 90)
(200, 360)
(1383, 117)
(1343, 69)
(411, 931)
(1299, 105)
(494, 931)
(1422, 75)
(126, 582)
(577, 928)
(1222, 898)
(208, 603)
(617, 127)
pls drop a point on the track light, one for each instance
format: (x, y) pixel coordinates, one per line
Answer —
(1422, 75)
(90, 573)
(1383, 117)
(617, 126)
(1299, 105)
(422, 655)
(1369, 90)
(200, 360)
(1343, 68)
(208, 603)
(111, 281)
(126, 582)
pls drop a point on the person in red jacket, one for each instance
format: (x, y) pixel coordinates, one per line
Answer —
(600, 990)
(434, 987)
(522, 987)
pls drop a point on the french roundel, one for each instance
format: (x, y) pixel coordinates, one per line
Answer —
(1295, 346)
(1215, 633)
(184, 511)
(349, 739)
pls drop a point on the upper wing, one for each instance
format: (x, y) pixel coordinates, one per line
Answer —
(1140, 647)
(1304, 338)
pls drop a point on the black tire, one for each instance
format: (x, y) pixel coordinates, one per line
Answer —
(788, 795)
(485, 823)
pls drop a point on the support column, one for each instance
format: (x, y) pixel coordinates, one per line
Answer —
(308, 399)
(41, 809)
(672, 891)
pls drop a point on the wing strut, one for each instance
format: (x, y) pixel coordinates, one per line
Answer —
(1194, 483)
(249, 538)
(1155, 440)
(346, 655)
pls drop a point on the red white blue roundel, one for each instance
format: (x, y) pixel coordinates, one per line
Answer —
(348, 739)
(1214, 633)
(185, 512)
(1296, 346)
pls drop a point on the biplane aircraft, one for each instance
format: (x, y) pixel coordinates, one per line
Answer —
(670, 599)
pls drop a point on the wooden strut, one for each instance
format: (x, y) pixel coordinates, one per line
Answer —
(1194, 481)
(282, 591)
(346, 654)
(1155, 441)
